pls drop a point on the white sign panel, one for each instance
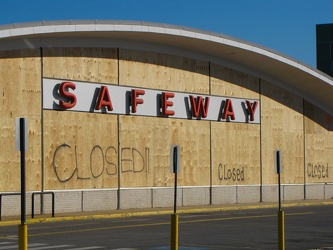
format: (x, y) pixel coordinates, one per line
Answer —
(114, 99)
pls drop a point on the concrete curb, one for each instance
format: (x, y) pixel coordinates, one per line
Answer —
(182, 210)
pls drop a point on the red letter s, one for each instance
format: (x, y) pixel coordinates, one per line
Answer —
(63, 90)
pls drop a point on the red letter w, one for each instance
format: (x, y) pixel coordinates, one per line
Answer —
(198, 104)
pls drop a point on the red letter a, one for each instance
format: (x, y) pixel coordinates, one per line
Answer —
(228, 110)
(104, 99)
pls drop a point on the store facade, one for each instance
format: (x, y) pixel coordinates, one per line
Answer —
(106, 100)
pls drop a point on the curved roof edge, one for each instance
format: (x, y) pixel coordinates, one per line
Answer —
(311, 84)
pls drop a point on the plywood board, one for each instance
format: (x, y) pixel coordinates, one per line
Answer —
(145, 151)
(161, 71)
(282, 129)
(20, 76)
(81, 150)
(319, 145)
(85, 64)
(235, 154)
(229, 82)
(90, 156)
(235, 147)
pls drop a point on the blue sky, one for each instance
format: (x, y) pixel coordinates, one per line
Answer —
(287, 26)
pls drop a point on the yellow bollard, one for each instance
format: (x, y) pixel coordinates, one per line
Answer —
(23, 236)
(174, 232)
(281, 236)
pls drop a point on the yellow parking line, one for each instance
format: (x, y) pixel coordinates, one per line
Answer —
(162, 223)
(244, 217)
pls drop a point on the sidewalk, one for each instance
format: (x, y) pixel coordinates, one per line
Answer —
(15, 220)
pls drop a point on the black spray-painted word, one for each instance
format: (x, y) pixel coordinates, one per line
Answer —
(234, 174)
(317, 171)
(100, 161)
(132, 160)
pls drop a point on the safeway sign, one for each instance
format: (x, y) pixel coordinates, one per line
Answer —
(115, 99)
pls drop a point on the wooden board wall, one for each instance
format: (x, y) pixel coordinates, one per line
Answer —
(90, 159)
(159, 71)
(145, 158)
(86, 151)
(281, 128)
(82, 64)
(20, 88)
(235, 146)
(80, 150)
(235, 154)
(229, 82)
(319, 145)
(154, 136)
